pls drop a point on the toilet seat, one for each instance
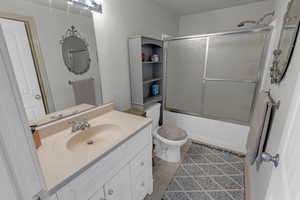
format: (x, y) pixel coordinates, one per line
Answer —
(169, 141)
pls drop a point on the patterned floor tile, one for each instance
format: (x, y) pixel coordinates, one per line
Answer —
(237, 194)
(181, 172)
(188, 183)
(230, 157)
(199, 159)
(228, 169)
(220, 195)
(208, 184)
(214, 158)
(194, 170)
(238, 179)
(173, 186)
(198, 149)
(226, 182)
(198, 196)
(188, 160)
(177, 196)
(211, 169)
(216, 150)
(207, 174)
(239, 166)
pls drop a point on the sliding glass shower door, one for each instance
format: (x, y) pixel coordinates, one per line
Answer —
(185, 61)
(214, 75)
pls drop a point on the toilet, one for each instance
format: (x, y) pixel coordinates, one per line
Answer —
(167, 139)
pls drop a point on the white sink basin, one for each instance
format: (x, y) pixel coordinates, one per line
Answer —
(94, 138)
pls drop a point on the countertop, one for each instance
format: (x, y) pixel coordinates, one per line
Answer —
(59, 163)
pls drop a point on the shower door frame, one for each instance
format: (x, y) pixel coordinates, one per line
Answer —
(207, 37)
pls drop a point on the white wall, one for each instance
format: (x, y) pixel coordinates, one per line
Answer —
(283, 92)
(52, 25)
(119, 20)
(223, 19)
(219, 133)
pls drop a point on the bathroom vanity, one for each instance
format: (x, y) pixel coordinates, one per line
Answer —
(111, 159)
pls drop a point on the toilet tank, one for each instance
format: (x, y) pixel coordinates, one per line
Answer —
(153, 112)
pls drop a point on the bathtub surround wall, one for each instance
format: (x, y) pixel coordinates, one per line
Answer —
(119, 20)
(218, 133)
(51, 26)
(223, 19)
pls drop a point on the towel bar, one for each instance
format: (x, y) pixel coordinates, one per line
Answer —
(71, 82)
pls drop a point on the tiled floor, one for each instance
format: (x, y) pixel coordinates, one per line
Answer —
(162, 174)
(206, 174)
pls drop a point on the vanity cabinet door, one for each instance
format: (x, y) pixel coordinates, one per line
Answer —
(119, 187)
(141, 172)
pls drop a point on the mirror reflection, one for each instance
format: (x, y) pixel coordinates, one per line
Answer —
(54, 57)
(282, 55)
(75, 52)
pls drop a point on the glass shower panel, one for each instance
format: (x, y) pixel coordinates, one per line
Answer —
(235, 57)
(185, 68)
(229, 100)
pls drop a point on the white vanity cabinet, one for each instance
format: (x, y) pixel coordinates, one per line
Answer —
(124, 173)
(119, 186)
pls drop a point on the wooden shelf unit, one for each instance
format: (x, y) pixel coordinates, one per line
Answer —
(145, 73)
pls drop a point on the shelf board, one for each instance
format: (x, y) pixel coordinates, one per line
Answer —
(152, 80)
(154, 99)
(150, 62)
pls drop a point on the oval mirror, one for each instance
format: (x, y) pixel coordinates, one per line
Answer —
(75, 52)
(288, 37)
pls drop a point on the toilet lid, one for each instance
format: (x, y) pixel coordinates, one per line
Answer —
(172, 133)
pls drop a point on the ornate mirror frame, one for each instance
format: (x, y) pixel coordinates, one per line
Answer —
(73, 33)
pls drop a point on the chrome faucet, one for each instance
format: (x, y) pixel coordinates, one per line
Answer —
(80, 125)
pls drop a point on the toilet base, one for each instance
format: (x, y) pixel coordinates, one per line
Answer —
(169, 153)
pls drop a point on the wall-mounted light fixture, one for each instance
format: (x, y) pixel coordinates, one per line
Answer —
(94, 5)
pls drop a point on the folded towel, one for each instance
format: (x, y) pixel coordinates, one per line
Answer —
(84, 91)
(258, 127)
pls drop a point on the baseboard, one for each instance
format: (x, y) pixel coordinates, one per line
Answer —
(241, 154)
(247, 182)
(218, 143)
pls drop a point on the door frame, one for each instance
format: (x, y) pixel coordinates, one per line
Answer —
(37, 57)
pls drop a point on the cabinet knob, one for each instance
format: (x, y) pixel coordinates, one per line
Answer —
(143, 184)
(142, 163)
(110, 191)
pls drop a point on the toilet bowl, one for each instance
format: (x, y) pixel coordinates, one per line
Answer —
(167, 139)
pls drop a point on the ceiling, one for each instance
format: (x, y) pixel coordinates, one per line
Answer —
(185, 7)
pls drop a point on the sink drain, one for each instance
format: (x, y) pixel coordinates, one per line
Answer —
(90, 142)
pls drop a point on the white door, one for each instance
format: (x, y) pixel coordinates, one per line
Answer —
(17, 151)
(21, 57)
(118, 188)
(99, 195)
(6, 185)
(285, 180)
